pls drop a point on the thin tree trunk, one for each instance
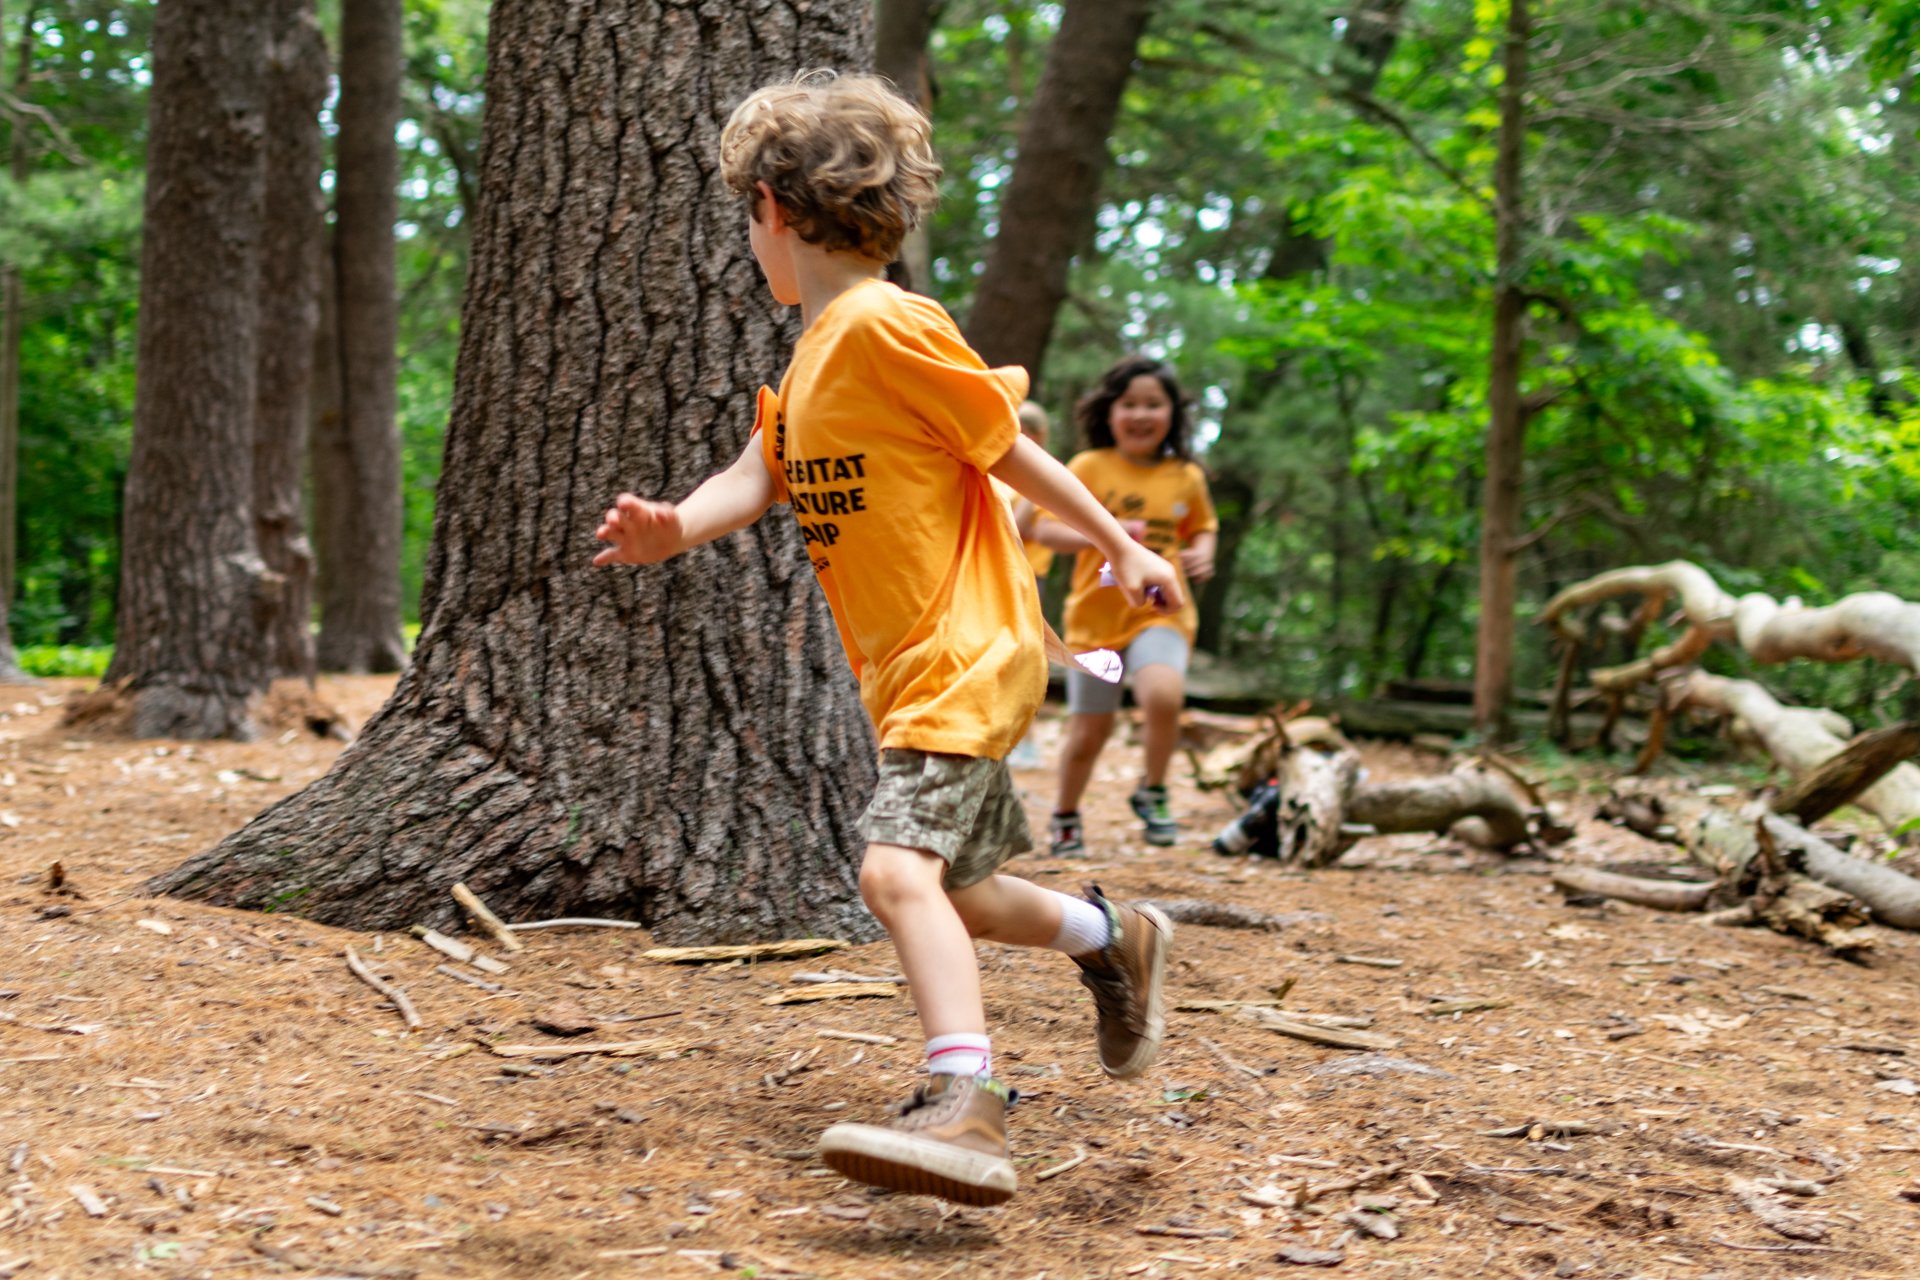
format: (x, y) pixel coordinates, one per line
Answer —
(359, 570)
(1506, 425)
(292, 239)
(680, 744)
(1049, 207)
(193, 589)
(12, 309)
(901, 29)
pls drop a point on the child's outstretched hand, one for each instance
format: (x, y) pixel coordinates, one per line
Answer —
(1142, 575)
(640, 532)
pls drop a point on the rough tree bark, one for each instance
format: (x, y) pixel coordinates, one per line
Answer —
(1506, 417)
(681, 744)
(1048, 210)
(12, 310)
(357, 502)
(193, 590)
(292, 238)
(901, 29)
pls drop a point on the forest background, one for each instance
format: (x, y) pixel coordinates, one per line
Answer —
(1717, 258)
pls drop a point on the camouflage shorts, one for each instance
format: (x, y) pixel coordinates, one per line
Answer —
(962, 808)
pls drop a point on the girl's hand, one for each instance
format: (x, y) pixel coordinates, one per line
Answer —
(641, 532)
(1198, 562)
(1139, 569)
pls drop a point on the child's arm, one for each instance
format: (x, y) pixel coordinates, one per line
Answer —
(1197, 556)
(1039, 478)
(644, 532)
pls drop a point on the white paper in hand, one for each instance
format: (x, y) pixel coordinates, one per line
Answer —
(1104, 663)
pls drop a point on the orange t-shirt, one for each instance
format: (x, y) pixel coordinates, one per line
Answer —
(1172, 497)
(880, 440)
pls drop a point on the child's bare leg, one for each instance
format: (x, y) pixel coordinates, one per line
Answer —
(1161, 691)
(1010, 910)
(902, 888)
(1086, 734)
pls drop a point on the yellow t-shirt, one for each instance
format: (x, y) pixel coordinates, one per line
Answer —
(1171, 496)
(880, 439)
(1039, 557)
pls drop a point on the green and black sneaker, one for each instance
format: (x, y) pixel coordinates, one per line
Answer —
(1150, 805)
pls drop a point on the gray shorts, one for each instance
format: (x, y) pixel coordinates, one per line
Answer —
(1154, 647)
(961, 808)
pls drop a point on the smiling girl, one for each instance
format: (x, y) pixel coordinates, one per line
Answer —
(1138, 466)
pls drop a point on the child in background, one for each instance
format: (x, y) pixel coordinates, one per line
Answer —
(884, 439)
(1137, 463)
(1035, 426)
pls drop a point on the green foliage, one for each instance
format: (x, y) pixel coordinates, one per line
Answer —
(1721, 259)
(50, 660)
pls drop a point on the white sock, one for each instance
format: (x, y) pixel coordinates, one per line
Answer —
(1084, 928)
(965, 1054)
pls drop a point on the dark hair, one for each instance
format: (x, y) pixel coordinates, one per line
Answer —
(1095, 410)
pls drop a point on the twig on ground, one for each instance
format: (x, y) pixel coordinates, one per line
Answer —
(787, 950)
(1329, 1036)
(1080, 1157)
(93, 1204)
(1371, 962)
(385, 988)
(485, 918)
(1186, 1233)
(1442, 1008)
(831, 991)
(467, 978)
(858, 1037)
(458, 951)
(1772, 1248)
(575, 922)
(1234, 1064)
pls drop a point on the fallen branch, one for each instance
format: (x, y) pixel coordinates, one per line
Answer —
(1216, 915)
(575, 922)
(1662, 895)
(458, 951)
(1841, 778)
(1800, 739)
(1479, 804)
(832, 991)
(793, 948)
(394, 994)
(1080, 1158)
(485, 918)
(1331, 1037)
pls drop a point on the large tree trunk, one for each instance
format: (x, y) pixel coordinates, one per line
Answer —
(680, 744)
(1506, 420)
(901, 29)
(293, 236)
(12, 307)
(359, 541)
(193, 590)
(1049, 206)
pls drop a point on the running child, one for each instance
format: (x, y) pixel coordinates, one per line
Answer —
(1138, 464)
(884, 440)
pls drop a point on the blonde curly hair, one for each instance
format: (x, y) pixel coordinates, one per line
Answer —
(850, 161)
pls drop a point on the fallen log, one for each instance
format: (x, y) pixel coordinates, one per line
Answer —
(1800, 739)
(1840, 779)
(1727, 842)
(1480, 805)
(1312, 816)
(1662, 895)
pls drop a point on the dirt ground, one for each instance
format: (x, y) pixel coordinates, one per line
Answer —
(194, 1092)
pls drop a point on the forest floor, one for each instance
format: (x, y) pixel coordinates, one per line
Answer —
(187, 1091)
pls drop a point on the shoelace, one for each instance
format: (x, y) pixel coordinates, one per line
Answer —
(1109, 992)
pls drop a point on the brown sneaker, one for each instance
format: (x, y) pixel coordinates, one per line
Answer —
(1127, 978)
(950, 1140)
